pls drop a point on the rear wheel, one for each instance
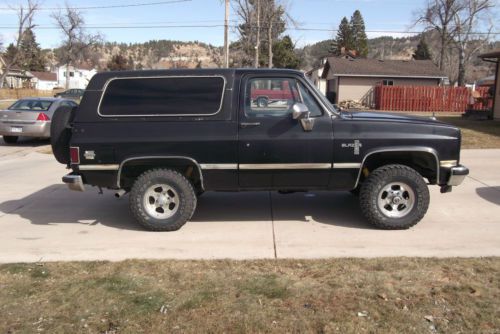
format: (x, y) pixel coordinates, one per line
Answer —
(394, 197)
(262, 102)
(10, 139)
(60, 133)
(162, 200)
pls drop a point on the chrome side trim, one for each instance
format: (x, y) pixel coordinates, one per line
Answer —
(219, 166)
(401, 149)
(286, 166)
(448, 163)
(118, 177)
(347, 165)
(99, 167)
(162, 77)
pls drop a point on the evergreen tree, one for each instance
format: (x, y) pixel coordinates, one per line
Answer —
(344, 38)
(31, 57)
(422, 52)
(9, 54)
(118, 63)
(359, 39)
(284, 55)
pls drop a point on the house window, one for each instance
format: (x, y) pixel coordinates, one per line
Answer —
(388, 82)
(71, 74)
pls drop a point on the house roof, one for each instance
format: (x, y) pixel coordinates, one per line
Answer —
(381, 68)
(45, 76)
(491, 56)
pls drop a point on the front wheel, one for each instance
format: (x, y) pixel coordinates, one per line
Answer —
(162, 200)
(394, 197)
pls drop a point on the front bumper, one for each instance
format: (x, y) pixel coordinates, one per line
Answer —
(457, 175)
(74, 182)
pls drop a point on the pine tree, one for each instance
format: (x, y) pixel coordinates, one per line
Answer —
(31, 57)
(284, 55)
(359, 38)
(344, 38)
(422, 52)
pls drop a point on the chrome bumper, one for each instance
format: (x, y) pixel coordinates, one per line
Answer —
(457, 175)
(74, 182)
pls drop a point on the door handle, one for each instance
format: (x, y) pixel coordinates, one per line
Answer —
(247, 125)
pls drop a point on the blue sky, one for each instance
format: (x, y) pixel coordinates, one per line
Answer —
(381, 15)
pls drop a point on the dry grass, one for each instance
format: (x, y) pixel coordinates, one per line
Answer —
(476, 134)
(402, 295)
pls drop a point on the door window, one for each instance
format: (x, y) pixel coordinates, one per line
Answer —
(275, 97)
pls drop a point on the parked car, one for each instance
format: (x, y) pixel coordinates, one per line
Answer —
(30, 117)
(165, 137)
(74, 94)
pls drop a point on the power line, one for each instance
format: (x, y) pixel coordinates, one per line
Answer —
(108, 6)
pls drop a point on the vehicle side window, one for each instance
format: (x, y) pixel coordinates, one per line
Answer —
(275, 97)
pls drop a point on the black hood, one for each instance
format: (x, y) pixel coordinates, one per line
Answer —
(391, 117)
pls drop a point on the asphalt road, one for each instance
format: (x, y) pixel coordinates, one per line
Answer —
(40, 220)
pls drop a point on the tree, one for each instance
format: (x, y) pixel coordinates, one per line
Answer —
(465, 21)
(344, 40)
(31, 57)
(76, 40)
(358, 34)
(118, 63)
(422, 52)
(25, 15)
(438, 15)
(284, 55)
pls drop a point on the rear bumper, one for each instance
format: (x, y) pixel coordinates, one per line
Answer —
(457, 175)
(74, 182)
(37, 129)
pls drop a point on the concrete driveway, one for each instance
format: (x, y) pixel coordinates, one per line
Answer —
(41, 220)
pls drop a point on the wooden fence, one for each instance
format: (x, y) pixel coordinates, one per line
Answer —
(429, 98)
(7, 93)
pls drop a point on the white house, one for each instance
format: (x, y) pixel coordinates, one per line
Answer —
(44, 80)
(316, 74)
(79, 76)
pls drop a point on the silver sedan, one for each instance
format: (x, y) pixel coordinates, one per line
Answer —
(30, 117)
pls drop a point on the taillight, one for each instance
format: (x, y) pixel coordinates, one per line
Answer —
(43, 117)
(74, 154)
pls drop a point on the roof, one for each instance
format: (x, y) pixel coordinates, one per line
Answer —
(45, 76)
(381, 68)
(491, 56)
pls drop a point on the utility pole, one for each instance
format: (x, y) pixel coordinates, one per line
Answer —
(257, 45)
(226, 35)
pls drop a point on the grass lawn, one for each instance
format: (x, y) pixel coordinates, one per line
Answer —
(400, 295)
(476, 134)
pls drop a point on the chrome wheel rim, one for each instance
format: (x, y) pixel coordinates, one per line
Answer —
(161, 201)
(396, 200)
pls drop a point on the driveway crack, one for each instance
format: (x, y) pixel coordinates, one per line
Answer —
(272, 225)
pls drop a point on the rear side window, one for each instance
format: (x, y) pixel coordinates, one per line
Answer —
(167, 96)
(31, 105)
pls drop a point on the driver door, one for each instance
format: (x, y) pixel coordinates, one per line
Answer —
(274, 149)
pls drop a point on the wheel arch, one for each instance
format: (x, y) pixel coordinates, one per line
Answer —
(423, 159)
(142, 163)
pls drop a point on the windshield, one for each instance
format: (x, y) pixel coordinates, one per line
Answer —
(31, 105)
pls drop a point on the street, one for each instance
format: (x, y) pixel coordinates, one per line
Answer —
(41, 220)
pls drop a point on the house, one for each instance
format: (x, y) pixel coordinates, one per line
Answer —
(16, 78)
(44, 80)
(494, 57)
(351, 79)
(316, 76)
(79, 75)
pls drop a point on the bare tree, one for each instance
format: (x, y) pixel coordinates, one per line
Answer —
(438, 15)
(467, 42)
(76, 40)
(25, 14)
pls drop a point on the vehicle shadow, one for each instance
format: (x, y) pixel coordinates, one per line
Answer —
(491, 194)
(26, 142)
(55, 205)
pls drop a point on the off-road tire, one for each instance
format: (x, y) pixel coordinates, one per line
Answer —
(10, 139)
(60, 133)
(383, 176)
(182, 186)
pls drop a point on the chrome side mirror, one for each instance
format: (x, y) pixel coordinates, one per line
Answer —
(302, 113)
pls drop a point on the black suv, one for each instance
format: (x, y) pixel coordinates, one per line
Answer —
(165, 137)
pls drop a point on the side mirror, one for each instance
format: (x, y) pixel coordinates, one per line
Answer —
(301, 113)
